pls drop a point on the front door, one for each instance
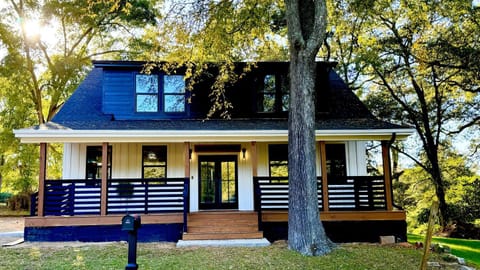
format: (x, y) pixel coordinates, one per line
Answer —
(218, 182)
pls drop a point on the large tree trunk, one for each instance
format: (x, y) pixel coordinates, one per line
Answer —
(305, 230)
(306, 30)
(439, 184)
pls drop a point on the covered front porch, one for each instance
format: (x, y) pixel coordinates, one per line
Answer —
(91, 209)
(72, 211)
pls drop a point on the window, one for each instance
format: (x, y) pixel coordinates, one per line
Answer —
(154, 161)
(94, 162)
(284, 94)
(273, 94)
(146, 91)
(336, 161)
(267, 97)
(278, 160)
(174, 93)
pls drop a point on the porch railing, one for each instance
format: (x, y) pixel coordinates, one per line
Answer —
(139, 196)
(357, 193)
(344, 194)
(271, 193)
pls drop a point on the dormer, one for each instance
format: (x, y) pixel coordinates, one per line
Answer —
(130, 94)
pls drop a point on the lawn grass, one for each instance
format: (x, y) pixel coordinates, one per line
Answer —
(467, 249)
(6, 212)
(161, 256)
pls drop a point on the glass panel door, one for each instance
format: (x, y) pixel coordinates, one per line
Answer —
(218, 182)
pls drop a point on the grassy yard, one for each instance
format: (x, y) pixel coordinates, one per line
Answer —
(5, 212)
(163, 256)
(467, 249)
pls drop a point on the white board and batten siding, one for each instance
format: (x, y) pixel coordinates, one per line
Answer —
(127, 163)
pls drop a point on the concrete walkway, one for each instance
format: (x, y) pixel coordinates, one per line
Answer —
(11, 234)
(224, 243)
(11, 238)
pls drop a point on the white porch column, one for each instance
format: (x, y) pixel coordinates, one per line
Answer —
(187, 155)
(104, 185)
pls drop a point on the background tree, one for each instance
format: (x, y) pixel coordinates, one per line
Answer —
(202, 32)
(419, 57)
(45, 50)
(415, 192)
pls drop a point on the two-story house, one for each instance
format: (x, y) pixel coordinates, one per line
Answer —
(141, 144)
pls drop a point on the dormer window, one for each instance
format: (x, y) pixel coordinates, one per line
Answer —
(146, 91)
(273, 95)
(267, 95)
(174, 93)
(148, 94)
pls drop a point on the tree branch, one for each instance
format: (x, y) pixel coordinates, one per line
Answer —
(411, 157)
(293, 22)
(318, 34)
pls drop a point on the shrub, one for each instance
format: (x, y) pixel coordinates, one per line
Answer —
(19, 201)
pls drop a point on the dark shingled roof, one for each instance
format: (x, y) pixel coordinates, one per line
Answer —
(83, 111)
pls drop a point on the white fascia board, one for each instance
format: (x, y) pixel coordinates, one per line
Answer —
(139, 136)
(363, 134)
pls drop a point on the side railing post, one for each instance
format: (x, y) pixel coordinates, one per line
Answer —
(33, 204)
(320, 193)
(186, 199)
(71, 200)
(356, 191)
(146, 188)
(371, 202)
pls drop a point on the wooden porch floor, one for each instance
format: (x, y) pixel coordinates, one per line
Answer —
(267, 216)
(282, 216)
(87, 220)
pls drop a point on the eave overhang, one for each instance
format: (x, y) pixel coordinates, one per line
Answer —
(171, 136)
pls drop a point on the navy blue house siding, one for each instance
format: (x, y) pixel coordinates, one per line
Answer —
(338, 231)
(118, 93)
(106, 233)
(346, 231)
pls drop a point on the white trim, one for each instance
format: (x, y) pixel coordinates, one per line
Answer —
(144, 136)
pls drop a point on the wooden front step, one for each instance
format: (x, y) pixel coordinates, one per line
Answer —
(222, 225)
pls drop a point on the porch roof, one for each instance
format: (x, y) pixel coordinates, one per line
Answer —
(234, 130)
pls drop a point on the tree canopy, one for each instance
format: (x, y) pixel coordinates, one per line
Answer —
(414, 62)
(46, 48)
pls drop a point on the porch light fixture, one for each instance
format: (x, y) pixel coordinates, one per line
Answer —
(244, 150)
(190, 153)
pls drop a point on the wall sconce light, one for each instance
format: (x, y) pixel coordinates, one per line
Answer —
(244, 150)
(190, 153)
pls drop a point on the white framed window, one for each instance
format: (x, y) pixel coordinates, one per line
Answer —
(146, 93)
(173, 93)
